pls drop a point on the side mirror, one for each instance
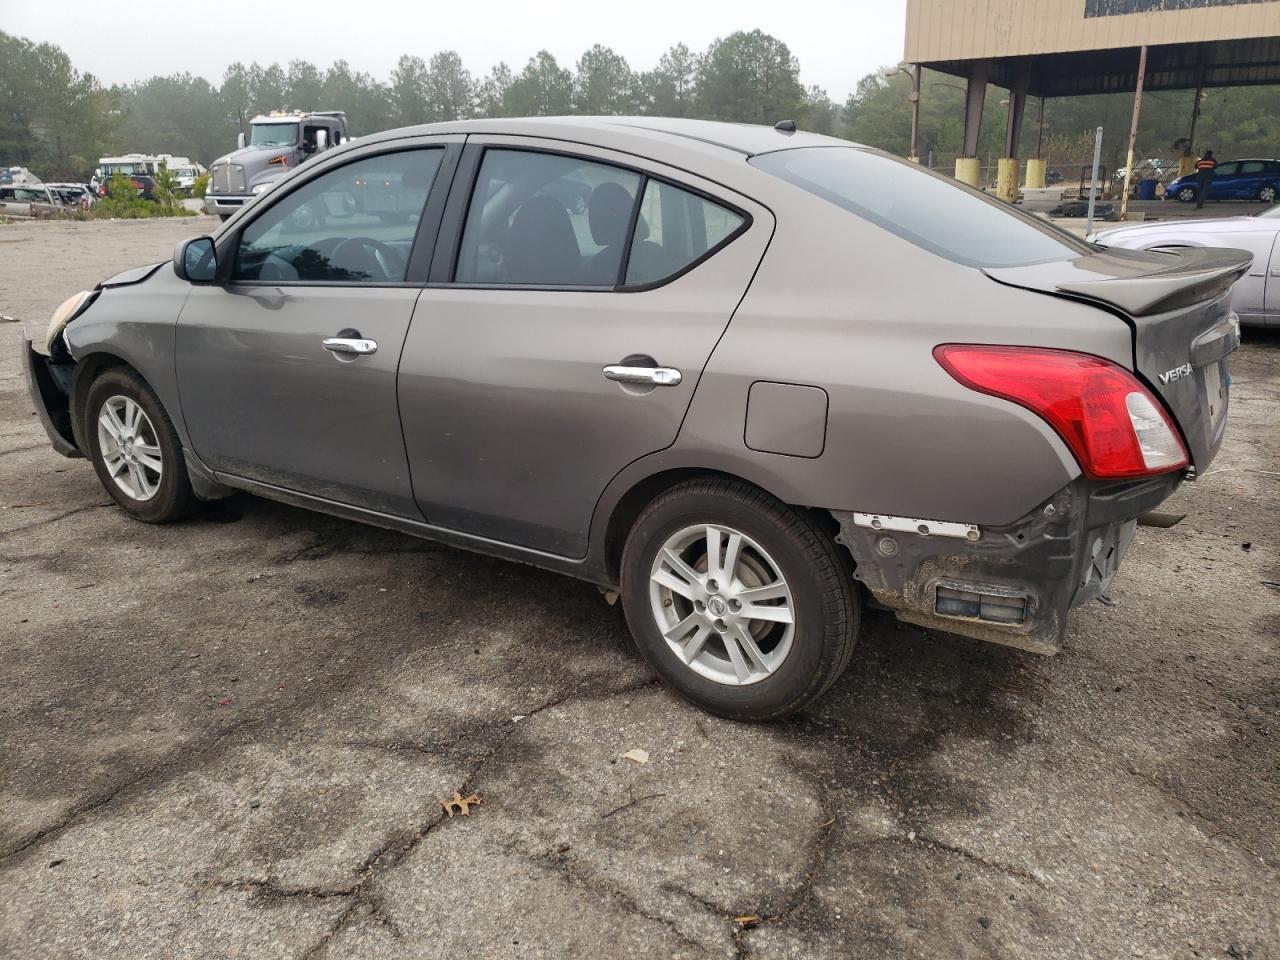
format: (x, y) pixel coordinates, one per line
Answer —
(240, 140)
(196, 260)
(322, 140)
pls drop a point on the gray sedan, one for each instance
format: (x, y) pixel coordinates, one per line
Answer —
(748, 378)
(1256, 298)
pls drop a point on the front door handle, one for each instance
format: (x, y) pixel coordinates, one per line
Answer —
(350, 346)
(649, 376)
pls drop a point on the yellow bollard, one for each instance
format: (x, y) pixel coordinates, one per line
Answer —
(1007, 179)
(967, 170)
(1035, 174)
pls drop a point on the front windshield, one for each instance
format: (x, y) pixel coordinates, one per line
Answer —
(922, 207)
(274, 134)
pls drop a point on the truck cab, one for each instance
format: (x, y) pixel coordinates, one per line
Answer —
(277, 142)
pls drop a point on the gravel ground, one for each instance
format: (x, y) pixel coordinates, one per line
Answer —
(230, 737)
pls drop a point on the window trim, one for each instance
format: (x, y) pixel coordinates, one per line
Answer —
(444, 272)
(425, 239)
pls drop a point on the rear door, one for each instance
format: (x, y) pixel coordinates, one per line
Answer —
(513, 420)
(1272, 304)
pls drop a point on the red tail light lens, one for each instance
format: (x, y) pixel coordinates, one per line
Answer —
(1111, 422)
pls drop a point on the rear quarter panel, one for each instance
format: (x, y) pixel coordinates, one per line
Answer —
(843, 305)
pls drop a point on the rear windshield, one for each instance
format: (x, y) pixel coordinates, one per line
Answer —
(927, 209)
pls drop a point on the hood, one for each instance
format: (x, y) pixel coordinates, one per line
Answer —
(131, 276)
(1189, 227)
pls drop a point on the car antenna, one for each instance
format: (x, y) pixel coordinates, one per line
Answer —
(785, 126)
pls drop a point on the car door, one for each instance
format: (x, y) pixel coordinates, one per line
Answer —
(1223, 185)
(287, 366)
(1252, 177)
(563, 332)
(1272, 297)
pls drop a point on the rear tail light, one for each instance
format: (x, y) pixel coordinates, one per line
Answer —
(1111, 422)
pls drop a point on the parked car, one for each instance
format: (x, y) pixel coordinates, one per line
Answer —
(762, 375)
(1257, 180)
(1256, 297)
(79, 195)
(29, 201)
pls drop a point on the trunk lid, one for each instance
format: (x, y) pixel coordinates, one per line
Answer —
(1177, 304)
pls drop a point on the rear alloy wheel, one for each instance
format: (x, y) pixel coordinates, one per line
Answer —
(743, 605)
(1186, 194)
(135, 450)
(1267, 194)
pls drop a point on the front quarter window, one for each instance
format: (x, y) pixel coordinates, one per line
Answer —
(922, 207)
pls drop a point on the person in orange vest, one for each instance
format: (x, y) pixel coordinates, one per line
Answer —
(1204, 177)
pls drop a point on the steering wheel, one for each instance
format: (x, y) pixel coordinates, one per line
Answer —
(371, 253)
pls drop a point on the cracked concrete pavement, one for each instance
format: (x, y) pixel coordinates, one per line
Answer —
(229, 738)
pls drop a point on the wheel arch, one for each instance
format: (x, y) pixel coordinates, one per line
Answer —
(627, 501)
(88, 369)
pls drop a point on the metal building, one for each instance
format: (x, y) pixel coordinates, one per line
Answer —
(1061, 48)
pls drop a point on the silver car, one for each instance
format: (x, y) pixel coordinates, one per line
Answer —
(756, 380)
(28, 201)
(1256, 298)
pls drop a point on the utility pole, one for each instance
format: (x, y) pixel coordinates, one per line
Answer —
(1093, 182)
(1133, 132)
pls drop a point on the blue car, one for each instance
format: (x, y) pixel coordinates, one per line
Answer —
(1257, 180)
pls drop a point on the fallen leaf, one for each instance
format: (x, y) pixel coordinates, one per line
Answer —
(747, 920)
(463, 804)
(637, 756)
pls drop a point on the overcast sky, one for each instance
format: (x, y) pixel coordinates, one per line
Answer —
(836, 42)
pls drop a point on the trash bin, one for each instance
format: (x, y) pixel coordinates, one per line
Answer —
(1147, 189)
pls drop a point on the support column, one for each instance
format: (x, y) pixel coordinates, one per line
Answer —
(1007, 178)
(1036, 165)
(967, 167)
(1133, 132)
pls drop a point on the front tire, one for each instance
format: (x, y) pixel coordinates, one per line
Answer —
(135, 450)
(743, 605)
(1186, 194)
(1267, 193)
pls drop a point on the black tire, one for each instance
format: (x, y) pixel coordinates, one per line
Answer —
(173, 499)
(1267, 193)
(224, 217)
(1186, 194)
(818, 572)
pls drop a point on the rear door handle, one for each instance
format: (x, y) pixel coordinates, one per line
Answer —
(350, 346)
(649, 376)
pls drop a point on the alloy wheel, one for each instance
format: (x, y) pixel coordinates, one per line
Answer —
(722, 604)
(130, 447)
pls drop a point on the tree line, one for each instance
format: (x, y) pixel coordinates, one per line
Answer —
(59, 120)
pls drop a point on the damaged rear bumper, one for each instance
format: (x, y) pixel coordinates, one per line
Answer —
(1014, 584)
(49, 385)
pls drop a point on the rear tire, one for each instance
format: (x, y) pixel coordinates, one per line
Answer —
(1267, 193)
(135, 450)
(759, 658)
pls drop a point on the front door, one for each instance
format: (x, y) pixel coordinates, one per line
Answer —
(566, 337)
(1273, 285)
(287, 368)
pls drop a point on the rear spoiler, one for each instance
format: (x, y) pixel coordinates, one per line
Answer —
(1138, 282)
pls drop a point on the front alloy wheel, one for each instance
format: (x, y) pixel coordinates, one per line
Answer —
(1186, 194)
(130, 448)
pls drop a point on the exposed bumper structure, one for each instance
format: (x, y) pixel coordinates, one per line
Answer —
(49, 396)
(1013, 585)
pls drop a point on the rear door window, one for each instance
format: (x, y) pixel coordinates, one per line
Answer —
(542, 219)
(1253, 166)
(675, 228)
(353, 224)
(1226, 169)
(924, 208)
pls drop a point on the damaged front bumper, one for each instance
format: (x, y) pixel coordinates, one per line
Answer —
(1013, 584)
(49, 385)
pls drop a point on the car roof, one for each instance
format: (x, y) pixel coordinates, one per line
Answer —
(745, 139)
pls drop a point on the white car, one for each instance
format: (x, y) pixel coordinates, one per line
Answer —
(1256, 297)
